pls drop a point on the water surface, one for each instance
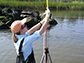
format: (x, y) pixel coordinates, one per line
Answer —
(65, 40)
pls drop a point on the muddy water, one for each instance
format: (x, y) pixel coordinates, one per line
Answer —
(65, 41)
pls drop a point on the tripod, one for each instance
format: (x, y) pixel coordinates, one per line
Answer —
(46, 52)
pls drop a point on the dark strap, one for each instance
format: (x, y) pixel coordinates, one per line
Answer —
(20, 47)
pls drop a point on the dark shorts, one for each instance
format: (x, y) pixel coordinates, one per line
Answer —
(31, 58)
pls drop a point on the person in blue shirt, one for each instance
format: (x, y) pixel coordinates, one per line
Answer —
(20, 31)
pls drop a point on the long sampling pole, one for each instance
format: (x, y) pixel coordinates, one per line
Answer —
(45, 48)
(46, 38)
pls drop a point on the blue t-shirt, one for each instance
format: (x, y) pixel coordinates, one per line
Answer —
(27, 44)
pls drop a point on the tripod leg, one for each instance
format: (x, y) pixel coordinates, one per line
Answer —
(50, 58)
(42, 58)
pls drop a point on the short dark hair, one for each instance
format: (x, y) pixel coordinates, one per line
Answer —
(18, 33)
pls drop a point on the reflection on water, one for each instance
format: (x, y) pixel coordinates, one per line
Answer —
(65, 41)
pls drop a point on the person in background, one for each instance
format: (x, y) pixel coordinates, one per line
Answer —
(30, 36)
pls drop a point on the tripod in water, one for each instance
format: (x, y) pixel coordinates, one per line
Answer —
(45, 49)
(46, 53)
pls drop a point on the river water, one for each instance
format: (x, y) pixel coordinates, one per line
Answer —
(65, 40)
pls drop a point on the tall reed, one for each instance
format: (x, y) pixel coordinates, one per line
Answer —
(40, 5)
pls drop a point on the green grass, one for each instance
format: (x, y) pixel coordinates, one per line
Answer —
(40, 5)
(18, 4)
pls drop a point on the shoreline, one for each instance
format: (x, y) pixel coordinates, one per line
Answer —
(42, 5)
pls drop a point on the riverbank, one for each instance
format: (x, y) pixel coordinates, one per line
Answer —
(7, 16)
(41, 5)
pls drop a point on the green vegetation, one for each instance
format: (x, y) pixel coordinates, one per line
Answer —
(2, 17)
(71, 1)
(22, 4)
(42, 5)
